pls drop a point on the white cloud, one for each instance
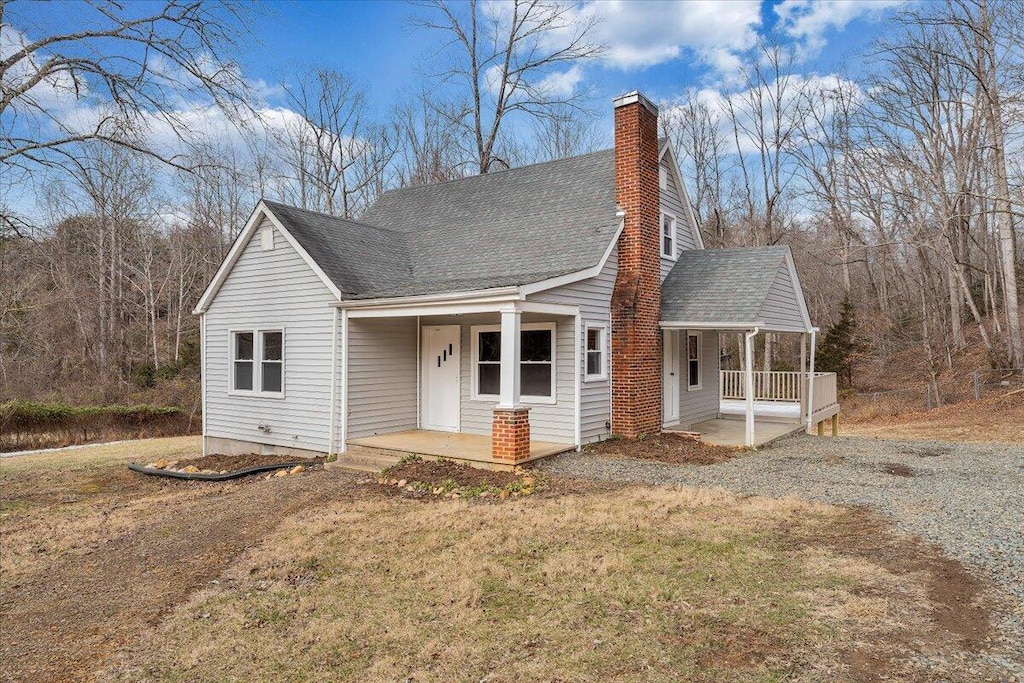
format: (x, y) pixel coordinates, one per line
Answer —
(641, 33)
(807, 21)
(794, 93)
(561, 83)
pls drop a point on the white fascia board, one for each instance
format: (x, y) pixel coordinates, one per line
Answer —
(691, 325)
(261, 210)
(799, 290)
(496, 295)
(440, 308)
(569, 278)
(670, 150)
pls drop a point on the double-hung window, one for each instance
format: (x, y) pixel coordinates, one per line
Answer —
(668, 236)
(536, 363)
(257, 362)
(596, 340)
(693, 344)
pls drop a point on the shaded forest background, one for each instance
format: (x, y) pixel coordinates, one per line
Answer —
(899, 189)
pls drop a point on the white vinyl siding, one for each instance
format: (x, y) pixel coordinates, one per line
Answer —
(548, 421)
(382, 376)
(781, 308)
(699, 404)
(672, 203)
(594, 298)
(272, 290)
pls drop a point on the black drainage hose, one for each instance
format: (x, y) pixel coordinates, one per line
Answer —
(200, 476)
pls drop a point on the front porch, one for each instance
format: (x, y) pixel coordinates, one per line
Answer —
(474, 448)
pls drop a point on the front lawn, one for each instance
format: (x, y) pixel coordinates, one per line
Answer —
(331, 575)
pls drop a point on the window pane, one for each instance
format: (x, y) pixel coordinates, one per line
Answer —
(272, 345)
(536, 345)
(243, 345)
(593, 363)
(666, 247)
(490, 346)
(243, 374)
(593, 340)
(535, 380)
(691, 347)
(488, 379)
(694, 373)
(272, 376)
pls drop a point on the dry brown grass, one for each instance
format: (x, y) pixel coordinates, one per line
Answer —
(995, 419)
(628, 585)
(323, 578)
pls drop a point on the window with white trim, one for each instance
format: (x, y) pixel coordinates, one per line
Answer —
(668, 235)
(662, 177)
(242, 361)
(596, 339)
(693, 348)
(257, 362)
(267, 238)
(536, 362)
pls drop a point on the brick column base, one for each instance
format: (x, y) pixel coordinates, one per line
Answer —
(510, 435)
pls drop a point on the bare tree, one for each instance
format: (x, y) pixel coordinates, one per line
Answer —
(127, 69)
(506, 60)
(429, 149)
(335, 154)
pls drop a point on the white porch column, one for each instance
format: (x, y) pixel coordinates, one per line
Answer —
(511, 352)
(810, 383)
(748, 377)
(804, 377)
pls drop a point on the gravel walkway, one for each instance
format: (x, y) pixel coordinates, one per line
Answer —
(966, 498)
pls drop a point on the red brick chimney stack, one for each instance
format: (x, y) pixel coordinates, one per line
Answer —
(636, 301)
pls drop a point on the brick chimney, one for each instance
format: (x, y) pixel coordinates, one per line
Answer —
(636, 300)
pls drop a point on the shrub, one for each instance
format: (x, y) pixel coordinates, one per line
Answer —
(32, 424)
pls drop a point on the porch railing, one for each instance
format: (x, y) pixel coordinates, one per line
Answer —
(787, 387)
(768, 386)
(826, 394)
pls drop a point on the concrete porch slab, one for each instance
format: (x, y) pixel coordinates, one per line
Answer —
(731, 432)
(472, 448)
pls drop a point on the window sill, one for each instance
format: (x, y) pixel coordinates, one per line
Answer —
(527, 400)
(696, 388)
(595, 378)
(255, 394)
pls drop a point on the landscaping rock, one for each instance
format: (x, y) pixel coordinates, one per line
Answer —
(191, 469)
(298, 469)
(160, 464)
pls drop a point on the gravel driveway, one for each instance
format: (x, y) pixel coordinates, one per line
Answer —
(967, 498)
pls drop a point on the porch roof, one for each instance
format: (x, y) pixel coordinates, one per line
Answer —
(739, 288)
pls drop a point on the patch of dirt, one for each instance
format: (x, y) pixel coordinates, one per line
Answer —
(438, 471)
(61, 619)
(232, 463)
(667, 447)
(960, 611)
(897, 470)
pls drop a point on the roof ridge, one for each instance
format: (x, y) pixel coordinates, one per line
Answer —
(330, 217)
(497, 173)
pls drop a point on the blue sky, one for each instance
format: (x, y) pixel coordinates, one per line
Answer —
(661, 48)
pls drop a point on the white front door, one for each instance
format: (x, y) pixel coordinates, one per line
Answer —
(670, 378)
(441, 378)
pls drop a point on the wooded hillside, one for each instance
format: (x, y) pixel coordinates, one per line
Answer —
(899, 187)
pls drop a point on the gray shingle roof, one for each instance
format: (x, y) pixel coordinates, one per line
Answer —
(720, 285)
(506, 228)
